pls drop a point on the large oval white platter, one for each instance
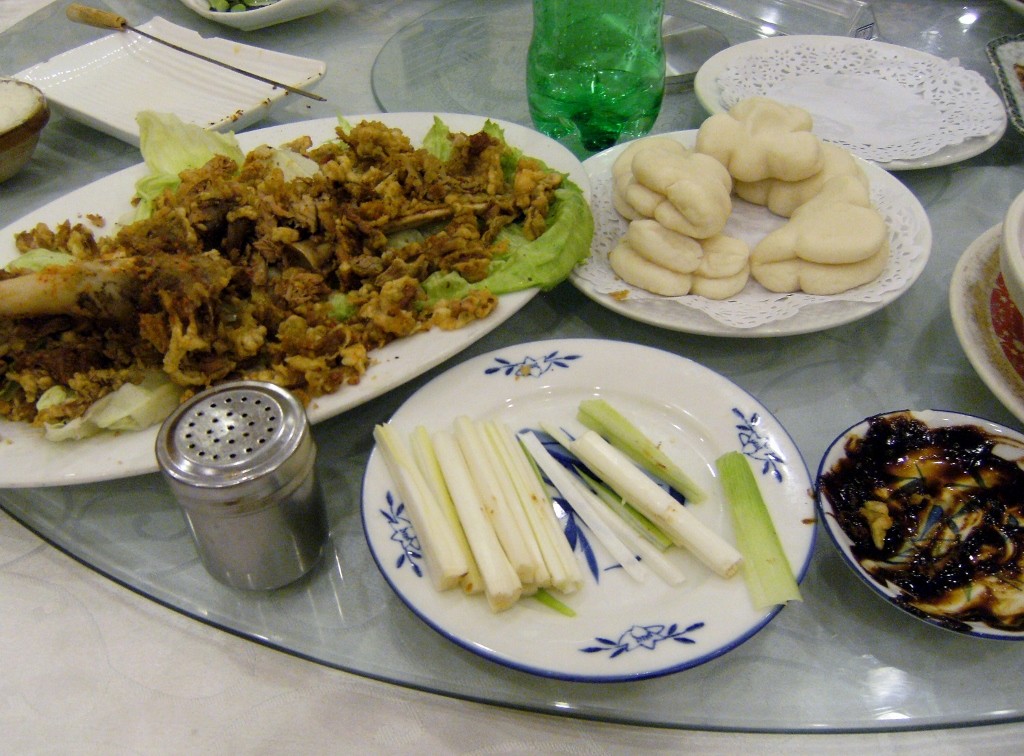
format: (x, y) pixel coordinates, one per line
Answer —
(623, 630)
(29, 460)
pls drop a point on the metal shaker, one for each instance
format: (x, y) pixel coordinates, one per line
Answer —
(239, 459)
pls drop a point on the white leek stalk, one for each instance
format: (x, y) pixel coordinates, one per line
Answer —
(633, 485)
(564, 570)
(766, 569)
(502, 586)
(628, 513)
(646, 540)
(583, 501)
(649, 554)
(426, 460)
(509, 521)
(600, 416)
(444, 559)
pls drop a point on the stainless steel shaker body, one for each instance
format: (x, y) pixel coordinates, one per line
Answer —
(240, 460)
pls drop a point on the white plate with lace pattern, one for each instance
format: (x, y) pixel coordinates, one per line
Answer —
(623, 629)
(755, 311)
(897, 107)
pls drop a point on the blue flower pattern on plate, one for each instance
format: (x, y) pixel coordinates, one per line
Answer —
(757, 446)
(403, 534)
(645, 637)
(531, 367)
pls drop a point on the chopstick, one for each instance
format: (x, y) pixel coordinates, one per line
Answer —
(82, 14)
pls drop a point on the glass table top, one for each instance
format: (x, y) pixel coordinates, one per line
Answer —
(843, 660)
(434, 63)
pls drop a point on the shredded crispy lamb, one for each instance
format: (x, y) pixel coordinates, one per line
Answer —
(235, 274)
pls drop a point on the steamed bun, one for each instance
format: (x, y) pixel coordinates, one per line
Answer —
(759, 139)
(783, 197)
(832, 243)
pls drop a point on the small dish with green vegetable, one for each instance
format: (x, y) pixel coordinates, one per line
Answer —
(249, 15)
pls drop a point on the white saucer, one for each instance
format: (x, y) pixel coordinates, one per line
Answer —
(945, 113)
(970, 293)
(623, 629)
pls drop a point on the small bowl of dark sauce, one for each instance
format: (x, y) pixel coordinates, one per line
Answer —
(927, 507)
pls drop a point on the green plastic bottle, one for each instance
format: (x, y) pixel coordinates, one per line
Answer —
(595, 71)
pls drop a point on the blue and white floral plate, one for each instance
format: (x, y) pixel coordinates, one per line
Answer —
(623, 630)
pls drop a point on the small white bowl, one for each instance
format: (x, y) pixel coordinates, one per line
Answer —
(1011, 251)
(257, 18)
(20, 134)
(873, 567)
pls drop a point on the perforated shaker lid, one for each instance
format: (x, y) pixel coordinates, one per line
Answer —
(244, 434)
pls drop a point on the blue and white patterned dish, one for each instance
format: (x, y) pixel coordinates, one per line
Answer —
(623, 630)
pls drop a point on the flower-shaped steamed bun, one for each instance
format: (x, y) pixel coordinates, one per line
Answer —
(658, 177)
(759, 138)
(696, 189)
(663, 246)
(724, 269)
(661, 261)
(631, 199)
(832, 243)
(783, 197)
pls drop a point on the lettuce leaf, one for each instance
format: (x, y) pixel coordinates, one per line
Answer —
(436, 141)
(131, 407)
(170, 146)
(543, 262)
(510, 157)
(35, 260)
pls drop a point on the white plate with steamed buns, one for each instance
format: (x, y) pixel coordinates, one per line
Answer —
(755, 311)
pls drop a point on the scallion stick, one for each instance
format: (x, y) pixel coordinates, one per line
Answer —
(649, 554)
(636, 519)
(554, 547)
(636, 487)
(579, 498)
(766, 570)
(445, 561)
(426, 459)
(600, 416)
(507, 525)
(553, 603)
(501, 583)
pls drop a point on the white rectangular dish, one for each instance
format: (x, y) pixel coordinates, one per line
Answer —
(105, 83)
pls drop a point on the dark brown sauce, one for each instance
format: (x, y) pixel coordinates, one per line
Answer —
(955, 545)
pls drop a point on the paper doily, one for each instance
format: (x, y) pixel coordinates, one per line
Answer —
(880, 101)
